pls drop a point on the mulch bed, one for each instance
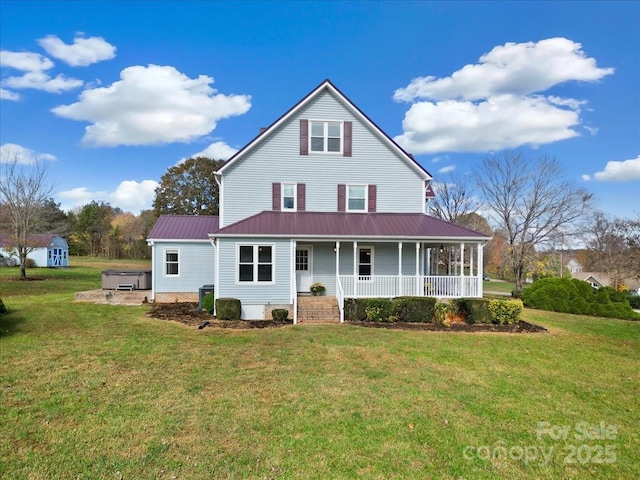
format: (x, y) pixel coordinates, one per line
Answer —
(188, 314)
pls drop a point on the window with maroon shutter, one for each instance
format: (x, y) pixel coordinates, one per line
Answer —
(275, 197)
(302, 197)
(372, 198)
(342, 196)
(346, 149)
(304, 137)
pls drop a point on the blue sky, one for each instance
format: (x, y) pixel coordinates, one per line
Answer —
(112, 94)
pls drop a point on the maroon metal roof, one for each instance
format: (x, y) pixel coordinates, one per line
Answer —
(38, 240)
(184, 227)
(338, 224)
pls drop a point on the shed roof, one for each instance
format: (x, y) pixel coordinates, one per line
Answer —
(36, 240)
(339, 224)
(184, 227)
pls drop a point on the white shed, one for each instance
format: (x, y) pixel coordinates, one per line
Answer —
(49, 249)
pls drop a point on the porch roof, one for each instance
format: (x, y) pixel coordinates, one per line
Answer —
(348, 225)
(183, 227)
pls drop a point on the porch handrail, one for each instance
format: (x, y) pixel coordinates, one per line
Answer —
(440, 286)
(340, 298)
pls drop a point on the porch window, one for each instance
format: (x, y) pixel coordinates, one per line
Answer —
(326, 137)
(289, 196)
(365, 263)
(171, 263)
(357, 198)
(255, 263)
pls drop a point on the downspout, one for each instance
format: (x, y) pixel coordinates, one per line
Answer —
(152, 244)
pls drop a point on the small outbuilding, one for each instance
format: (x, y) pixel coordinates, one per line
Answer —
(48, 249)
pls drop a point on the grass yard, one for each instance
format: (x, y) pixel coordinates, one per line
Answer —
(102, 392)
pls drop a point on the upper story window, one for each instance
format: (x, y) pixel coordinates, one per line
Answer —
(326, 137)
(357, 198)
(171, 263)
(289, 196)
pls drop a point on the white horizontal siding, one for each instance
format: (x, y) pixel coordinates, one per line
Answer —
(247, 184)
(196, 263)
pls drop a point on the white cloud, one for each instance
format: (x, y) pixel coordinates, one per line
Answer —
(42, 81)
(586, 178)
(495, 104)
(83, 51)
(150, 106)
(516, 68)
(625, 171)
(500, 122)
(10, 152)
(25, 61)
(447, 169)
(215, 151)
(129, 195)
(9, 95)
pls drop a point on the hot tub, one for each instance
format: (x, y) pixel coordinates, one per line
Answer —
(126, 279)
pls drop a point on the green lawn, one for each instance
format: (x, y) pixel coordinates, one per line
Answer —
(102, 392)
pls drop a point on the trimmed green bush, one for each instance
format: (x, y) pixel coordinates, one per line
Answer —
(634, 301)
(208, 302)
(228, 308)
(578, 297)
(505, 312)
(516, 293)
(474, 310)
(414, 309)
(354, 310)
(3, 308)
(280, 314)
(378, 309)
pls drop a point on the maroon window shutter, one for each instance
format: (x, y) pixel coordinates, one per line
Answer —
(342, 197)
(372, 198)
(302, 198)
(304, 137)
(346, 151)
(275, 197)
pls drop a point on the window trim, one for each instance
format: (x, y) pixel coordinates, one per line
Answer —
(256, 263)
(347, 198)
(295, 197)
(325, 137)
(165, 262)
(365, 278)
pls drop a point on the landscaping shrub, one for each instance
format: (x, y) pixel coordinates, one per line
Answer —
(516, 293)
(280, 314)
(3, 309)
(414, 309)
(208, 302)
(378, 309)
(228, 308)
(634, 301)
(578, 297)
(505, 312)
(474, 310)
(30, 263)
(354, 310)
(441, 312)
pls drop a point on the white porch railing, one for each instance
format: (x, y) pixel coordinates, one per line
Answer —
(422, 286)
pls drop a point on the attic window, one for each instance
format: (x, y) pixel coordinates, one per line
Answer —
(326, 137)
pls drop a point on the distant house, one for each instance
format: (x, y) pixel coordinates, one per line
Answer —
(321, 195)
(574, 266)
(598, 280)
(48, 249)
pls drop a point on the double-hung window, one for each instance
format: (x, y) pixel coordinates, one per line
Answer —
(289, 196)
(255, 263)
(357, 198)
(326, 137)
(171, 263)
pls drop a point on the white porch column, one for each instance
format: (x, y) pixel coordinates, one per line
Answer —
(294, 287)
(337, 260)
(418, 254)
(480, 269)
(400, 268)
(471, 261)
(428, 264)
(462, 285)
(355, 268)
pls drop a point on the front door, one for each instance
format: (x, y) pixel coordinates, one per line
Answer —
(303, 269)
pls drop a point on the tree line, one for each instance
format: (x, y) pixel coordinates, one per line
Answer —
(530, 209)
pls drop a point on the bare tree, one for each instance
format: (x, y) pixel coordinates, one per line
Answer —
(530, 201)
(454, 198)
(24, 191)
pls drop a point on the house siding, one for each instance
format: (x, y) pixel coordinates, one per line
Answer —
(248, 183)
(196, 261)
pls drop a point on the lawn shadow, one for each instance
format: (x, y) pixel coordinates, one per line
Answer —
(10, 323)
